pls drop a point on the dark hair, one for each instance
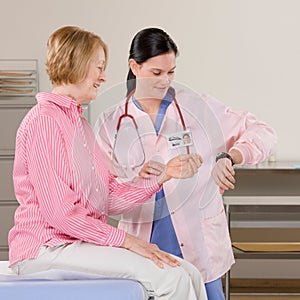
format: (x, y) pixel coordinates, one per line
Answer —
(148, 43)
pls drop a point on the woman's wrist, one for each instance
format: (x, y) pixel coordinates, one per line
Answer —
(163, 177)
(236, 156)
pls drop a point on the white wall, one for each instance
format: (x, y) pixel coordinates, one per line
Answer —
(246, 53)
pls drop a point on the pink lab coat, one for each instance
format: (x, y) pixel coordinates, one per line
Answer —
(195, 204)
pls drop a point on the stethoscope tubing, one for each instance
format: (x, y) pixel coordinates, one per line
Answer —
(126, 114)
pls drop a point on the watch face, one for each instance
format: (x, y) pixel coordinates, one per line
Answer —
(221, 155)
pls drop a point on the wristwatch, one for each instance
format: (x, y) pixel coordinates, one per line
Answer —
(224, 155)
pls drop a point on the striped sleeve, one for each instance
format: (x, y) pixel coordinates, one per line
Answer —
(126, 196)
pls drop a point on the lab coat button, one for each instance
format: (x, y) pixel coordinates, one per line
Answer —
(173, 213)
(97, 190)
(181, 245)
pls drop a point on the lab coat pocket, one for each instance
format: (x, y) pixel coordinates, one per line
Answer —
(217, 242)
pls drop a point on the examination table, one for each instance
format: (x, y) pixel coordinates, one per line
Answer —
(65, 285)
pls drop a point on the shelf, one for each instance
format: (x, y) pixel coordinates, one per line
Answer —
(257, 200)
(18, 77)
(267, 246)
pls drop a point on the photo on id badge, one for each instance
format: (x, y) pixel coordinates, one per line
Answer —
(180, 139)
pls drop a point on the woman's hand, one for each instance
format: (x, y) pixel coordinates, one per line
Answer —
(152, 168)
(150, 251)
(181, 166)
(223, 174)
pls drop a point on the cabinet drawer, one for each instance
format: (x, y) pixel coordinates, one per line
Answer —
(6, 180)
(7, 220)
(3, 254)
(11, 119)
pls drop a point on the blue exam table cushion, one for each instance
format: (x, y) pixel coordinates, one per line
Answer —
(64, 285)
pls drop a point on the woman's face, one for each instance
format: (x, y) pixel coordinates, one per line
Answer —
(95, 77)
(154, 76)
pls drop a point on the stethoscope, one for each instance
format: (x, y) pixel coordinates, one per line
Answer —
(127, 115)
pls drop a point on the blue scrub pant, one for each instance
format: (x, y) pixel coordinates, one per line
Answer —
(214, 290)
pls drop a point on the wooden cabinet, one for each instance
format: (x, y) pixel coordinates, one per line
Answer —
(264, 213)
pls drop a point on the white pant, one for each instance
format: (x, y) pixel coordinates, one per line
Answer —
(182, 283)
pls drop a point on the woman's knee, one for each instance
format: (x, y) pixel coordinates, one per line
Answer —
(179, 276)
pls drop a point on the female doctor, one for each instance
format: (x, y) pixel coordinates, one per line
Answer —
(186, 218)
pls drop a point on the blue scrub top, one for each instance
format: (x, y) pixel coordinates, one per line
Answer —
(163, 233)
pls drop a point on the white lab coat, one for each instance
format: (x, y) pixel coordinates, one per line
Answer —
(195, 204)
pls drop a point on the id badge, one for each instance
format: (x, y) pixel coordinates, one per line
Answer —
(180, 139)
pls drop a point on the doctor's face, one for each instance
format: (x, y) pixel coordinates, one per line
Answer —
(154, 76)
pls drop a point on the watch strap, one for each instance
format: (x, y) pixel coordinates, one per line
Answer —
(224, 155)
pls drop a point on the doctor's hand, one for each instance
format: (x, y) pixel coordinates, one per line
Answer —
(223, 174)
(150, 251)
(181, 166)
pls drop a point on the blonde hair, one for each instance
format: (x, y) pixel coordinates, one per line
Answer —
(70, 51)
